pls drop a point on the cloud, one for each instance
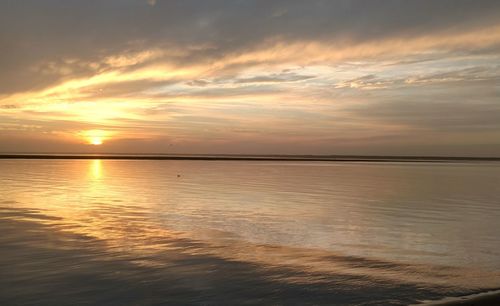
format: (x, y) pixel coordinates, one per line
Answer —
(90, 33)
(275, 78)
(467, 75)
(8, 106)
(454, 110)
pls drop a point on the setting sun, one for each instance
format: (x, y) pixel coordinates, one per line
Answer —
(96, 141)
(95, 137)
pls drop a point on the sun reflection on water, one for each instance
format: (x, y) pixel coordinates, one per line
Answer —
(96, 169)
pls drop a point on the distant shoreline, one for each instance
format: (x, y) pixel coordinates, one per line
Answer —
(222, 157)
(479, 299)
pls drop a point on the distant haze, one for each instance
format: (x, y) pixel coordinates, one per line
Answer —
(250, 77)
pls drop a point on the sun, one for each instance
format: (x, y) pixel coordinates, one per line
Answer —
(95, 137)
(96, 141)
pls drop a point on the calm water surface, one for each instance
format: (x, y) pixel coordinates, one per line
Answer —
(246, 232)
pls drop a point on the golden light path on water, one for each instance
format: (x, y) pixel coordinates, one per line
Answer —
(96, 169)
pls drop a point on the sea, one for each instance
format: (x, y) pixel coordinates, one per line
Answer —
(247, 232)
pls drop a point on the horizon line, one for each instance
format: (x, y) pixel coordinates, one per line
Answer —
(245, 157)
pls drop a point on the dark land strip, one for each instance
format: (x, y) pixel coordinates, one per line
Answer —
(324, 158)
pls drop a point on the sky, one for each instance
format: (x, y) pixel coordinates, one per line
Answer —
(250, 77)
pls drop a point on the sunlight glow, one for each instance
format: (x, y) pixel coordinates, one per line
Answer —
(96, 141)
(95, 137)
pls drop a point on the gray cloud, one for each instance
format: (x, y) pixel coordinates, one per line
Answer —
(467, 75)
(35, 33)
(456, 113)
(8, 106)
(275, 78)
